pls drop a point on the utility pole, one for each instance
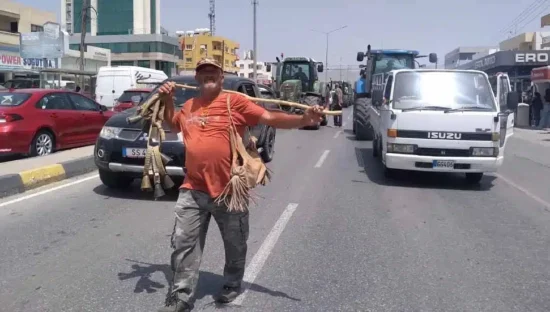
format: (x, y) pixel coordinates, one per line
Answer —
(255, 48)
(327, 33)
(83, 18)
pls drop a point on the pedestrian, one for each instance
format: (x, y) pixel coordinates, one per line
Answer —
(536, 107)
(545, 114)
(204, 122)
(337, 105)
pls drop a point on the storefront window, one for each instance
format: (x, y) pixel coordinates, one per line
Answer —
(146, 64)
(136, 47)
(116, 18)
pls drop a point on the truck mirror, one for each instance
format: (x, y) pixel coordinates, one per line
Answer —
(268, 68)
(433, 57)
(278, 60)
(320, 67)
(362, 72)
(360, 56)
(512, 100)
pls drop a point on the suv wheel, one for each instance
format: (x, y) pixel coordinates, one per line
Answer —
(269, 145)
(114, 180)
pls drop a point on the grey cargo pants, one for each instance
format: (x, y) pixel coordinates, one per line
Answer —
(193, 212)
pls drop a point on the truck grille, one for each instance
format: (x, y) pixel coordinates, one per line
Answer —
(442, 152)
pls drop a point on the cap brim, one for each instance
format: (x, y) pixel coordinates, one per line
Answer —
(206, 65)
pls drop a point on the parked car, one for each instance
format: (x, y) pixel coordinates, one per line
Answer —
(22, 83)
(38, 122)
(131, 98)
(120, 148)
(266, 92)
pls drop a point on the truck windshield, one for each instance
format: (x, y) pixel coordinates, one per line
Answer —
(389, 62)
(445, 89)
(295, 70)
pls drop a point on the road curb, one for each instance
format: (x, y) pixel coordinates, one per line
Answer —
(29, 179)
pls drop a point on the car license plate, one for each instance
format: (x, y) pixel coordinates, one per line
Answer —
(449, 164)
(134, 152)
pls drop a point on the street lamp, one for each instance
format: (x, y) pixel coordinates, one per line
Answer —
(326, 51)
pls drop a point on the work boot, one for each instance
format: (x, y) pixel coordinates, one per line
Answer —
(228, 294)
(174, 304)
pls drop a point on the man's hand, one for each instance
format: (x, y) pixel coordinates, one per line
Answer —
(168, 88)
(313, 115)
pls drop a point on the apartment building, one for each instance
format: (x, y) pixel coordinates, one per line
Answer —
(14, 19)
(131, 29)
(246, 68)
(200, 43)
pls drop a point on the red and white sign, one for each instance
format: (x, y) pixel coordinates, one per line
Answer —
(541, 73)
(10, 60)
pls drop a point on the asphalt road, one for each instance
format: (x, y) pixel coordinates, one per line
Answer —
(329, 233)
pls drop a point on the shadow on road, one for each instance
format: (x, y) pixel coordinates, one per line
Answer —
(134, 192)
(455, 181)
(209, 283)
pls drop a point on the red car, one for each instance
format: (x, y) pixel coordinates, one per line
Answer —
(39, 121)
(130, 98)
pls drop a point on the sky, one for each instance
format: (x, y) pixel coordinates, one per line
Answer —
(292, 26)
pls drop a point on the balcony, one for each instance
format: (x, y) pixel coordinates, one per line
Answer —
(9, 28)
(9, 38)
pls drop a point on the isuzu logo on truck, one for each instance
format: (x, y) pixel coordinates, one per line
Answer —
(444, 135)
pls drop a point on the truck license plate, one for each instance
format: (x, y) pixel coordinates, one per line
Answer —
(448, 164)
(134, 152)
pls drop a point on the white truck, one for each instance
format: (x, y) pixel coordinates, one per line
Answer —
(442, 121)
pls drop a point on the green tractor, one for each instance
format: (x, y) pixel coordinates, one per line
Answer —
(297, 80)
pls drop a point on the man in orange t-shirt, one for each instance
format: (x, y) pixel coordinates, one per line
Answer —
(204, 123)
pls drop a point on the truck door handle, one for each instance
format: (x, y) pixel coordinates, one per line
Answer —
(53, 115)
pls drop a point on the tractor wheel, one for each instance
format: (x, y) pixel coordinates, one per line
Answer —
(363, 129)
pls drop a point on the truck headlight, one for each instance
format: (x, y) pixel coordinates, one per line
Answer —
(495, 136)
(109, 132)
(401, 148)
(484, 152)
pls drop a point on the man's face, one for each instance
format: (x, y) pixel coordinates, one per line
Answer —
(209, 78)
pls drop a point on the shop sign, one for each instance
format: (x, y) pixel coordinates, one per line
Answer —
(10, 60)
(38, 63)
(540, 74)
(100, 56)
(540, 57)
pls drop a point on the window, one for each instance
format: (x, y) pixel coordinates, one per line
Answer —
(136, 47)
(450, 90)
(250, 65)
(250, 75)
(82, 103)
(241, 75)
(14, 27)
(36, 28)
(386, 62)
(13, 99)
(188, 60)
(144, 63)
(189, 47)
(259, 67)
(116, 18)
(54, 101)
(247, 89)
(387, 92)
(241, 66)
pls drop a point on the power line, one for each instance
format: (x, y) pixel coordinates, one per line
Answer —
(536, 8)
(535, 16)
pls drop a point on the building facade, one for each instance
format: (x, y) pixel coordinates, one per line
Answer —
(462, 55)
(200, 43)
(14, 19)
(129, 28)
(246, 69)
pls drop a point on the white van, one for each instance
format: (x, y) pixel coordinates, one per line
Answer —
(113, 81)
(442, 121)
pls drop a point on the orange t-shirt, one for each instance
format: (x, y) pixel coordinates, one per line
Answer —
(207, 149)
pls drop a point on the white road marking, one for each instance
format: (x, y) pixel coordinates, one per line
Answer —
(523, 190)
(255, 266)
(25, 197)
(337, 134)
(322, 159)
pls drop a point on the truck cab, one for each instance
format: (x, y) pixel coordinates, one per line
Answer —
(442, 121)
